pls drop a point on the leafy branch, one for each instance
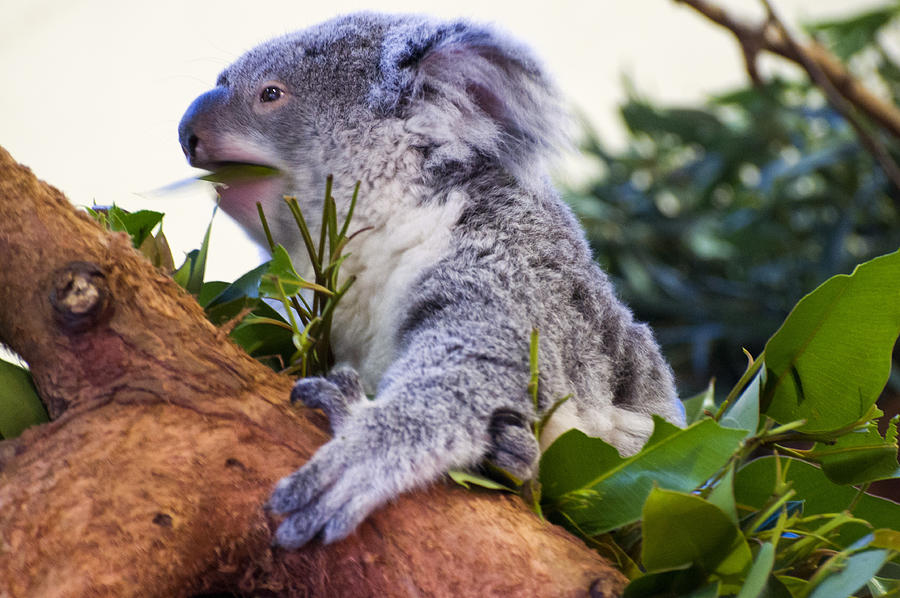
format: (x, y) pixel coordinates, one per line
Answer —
(694, 512)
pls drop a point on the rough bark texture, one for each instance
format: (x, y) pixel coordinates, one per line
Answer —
(167, 439)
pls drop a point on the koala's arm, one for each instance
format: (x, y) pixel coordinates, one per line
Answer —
(456, 394)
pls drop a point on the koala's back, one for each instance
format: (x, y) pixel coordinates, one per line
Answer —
(520, 257)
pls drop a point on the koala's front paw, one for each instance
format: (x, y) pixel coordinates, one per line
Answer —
(335, 394)
(332, 494)
(513, 445)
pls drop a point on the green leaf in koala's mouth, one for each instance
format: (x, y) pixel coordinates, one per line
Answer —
(230, 173)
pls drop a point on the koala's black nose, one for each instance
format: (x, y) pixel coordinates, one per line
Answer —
(198, 120)
(190, 148)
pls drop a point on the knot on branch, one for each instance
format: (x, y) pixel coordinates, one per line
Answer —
(80, 296)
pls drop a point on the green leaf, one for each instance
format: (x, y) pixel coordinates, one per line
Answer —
(237, 172)
(883, 587)
(191, 273)
(722, 495)
(182, 275)
(849, 36)
(156, 249)
(468, 479)
(247, 285)
(267, 337)
(607, 491)
(696, 407)
(758, 577)
(830, 359)
(860, 456)
(853, 574)
(744, 413)
(281, 272)
(684, 529)
(755, 482)
(20, 406)
(138, 224)
(221, 313)
(794, 585)
(209, 291)
(709, 591)
(670, 584)
(886, 538)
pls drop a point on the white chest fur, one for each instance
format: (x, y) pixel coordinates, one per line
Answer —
(386, 260)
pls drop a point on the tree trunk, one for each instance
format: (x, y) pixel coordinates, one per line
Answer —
(167, 438)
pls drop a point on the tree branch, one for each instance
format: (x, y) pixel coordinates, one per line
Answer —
(167, 440)
(870, 142)
(771, 36)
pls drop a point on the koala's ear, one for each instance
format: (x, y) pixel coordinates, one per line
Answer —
(472, 94)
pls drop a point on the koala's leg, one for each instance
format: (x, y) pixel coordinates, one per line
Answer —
(514, 447)
(335, 394)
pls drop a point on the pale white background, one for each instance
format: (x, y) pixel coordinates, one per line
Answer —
(91, 91)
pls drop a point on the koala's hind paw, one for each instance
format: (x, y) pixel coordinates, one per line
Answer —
(335, 394)
(513, 445)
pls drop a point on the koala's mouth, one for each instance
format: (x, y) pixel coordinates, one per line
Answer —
(240, 185)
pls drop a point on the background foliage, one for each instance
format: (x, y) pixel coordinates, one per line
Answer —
(715, 219)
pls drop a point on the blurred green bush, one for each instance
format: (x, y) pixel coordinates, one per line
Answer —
(715, 219)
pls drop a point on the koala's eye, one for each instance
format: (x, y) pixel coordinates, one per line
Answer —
(271, 94)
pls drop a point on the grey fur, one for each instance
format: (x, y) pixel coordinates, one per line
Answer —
(448, 126)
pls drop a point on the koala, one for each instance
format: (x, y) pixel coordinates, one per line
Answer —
(449, 128)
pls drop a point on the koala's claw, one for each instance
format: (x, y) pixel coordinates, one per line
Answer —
(513, 445)
(334, 394)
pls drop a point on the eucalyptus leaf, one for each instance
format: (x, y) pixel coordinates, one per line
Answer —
(883, 587)
(796, 586)
(743, 414)
(210, 291)
(676, 583)
(696, 407)
(852, 575)
(849, 36)
(191, 273)
(156, 249)
(468, 479)
(886, 538)
(182, 275)
(236, 172)
(829, 361)
(758, 577)
(755, 482)
(247, 285)
(138, 224)
(221, 313)
(684, 529)
(269, 340)
(722, 495)
(281, 276)
(860, 456)
(607, 490)
(20, 405)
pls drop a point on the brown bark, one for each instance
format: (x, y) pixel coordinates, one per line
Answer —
(167, 439)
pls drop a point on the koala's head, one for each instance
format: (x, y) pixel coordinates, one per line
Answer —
(372, 97)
